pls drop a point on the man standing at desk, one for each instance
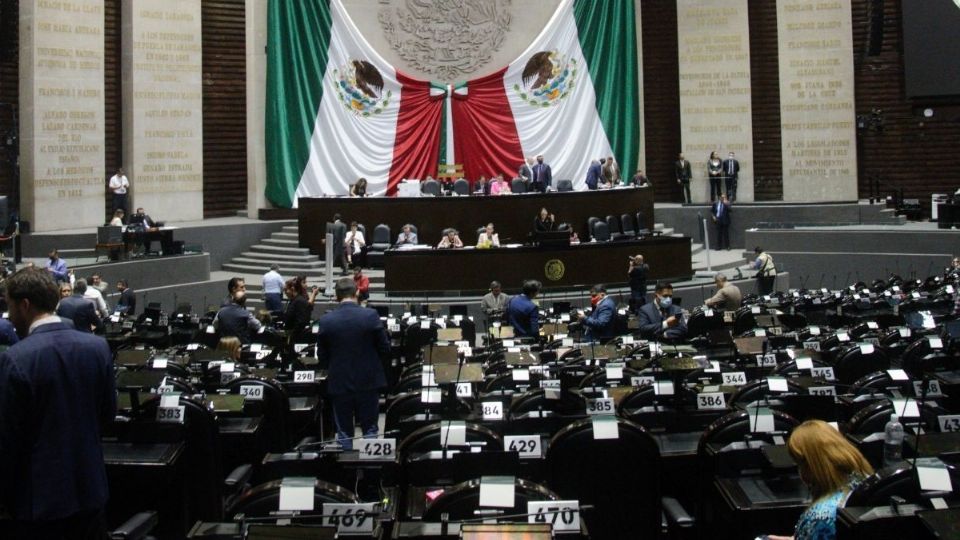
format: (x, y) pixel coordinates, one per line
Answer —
(522, 313)
(542, 176)
(721, 218)
(351, 340)
(594, 172)
(119, 186)
(661, 318)
(57, 392)
(493, 303)
(601, 324)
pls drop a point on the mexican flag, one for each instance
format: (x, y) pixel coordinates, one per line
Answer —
(572, 96)
(336, 111)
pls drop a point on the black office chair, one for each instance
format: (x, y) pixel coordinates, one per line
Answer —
(629, 225)
(517, 185)
(263, 500)
(429, 438)
(600, 231)
(274, 407)
(380, 242)
(613, 224)
(758, 390)
(621, 478)
(564, 185)
(590, 221)
(920, 358)
(642, 229)
(873, 418)
(852, 363)
(734, 426)
(461, 187)
(900, 481)
(430, 187)
(461, 501)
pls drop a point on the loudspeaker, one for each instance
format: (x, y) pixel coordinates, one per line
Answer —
(874, 27)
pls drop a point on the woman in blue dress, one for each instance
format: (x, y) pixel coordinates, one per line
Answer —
(831, 467)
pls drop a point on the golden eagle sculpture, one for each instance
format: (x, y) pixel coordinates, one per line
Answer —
(368, 78)
(540, 66)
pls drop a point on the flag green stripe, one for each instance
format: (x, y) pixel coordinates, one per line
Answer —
(608, 38)
(298, 41)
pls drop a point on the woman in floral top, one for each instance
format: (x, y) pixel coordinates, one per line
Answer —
(831, 467)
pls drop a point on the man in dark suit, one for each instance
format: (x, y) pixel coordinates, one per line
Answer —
(594, 172)
(127, 304)
(601, 324)
(542, 176)
(522, 313)
(235, 320)
(721, 218)
(57, 392)
(339, 230)
(80, 310)
(683, 173)
(352, 341)
(731, 171)
(662, 319)
(526, 171)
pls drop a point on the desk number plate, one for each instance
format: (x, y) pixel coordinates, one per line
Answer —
(379, 449)
(349, 518)
(562, 515)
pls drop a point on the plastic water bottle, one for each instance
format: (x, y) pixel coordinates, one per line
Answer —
(892, 441)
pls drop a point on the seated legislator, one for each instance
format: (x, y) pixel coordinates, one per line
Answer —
(359, 189)
(299, 309)
(450, 240)
(143, 220)
(363, 284)
(728, 296)
(406, 237)
(488, 238)
(493, 303)
(639, 180)
(117, 220)
(481, 186)
(831, 467)
(544, 222)
(500, 186)
(233, 319)
(661, 319)
(601, 324)
(522, 313)
(355, 245)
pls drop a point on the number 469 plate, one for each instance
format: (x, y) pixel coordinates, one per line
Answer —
(349, 518)
(562, 515)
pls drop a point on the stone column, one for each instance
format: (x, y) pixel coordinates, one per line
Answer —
(256, 22)
(817, 114)
(715, 108)
(61, 114)
(163, 107)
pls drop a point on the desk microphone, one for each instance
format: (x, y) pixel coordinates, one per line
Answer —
(301, 447)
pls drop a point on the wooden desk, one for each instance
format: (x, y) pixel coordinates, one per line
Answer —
(580, 266)
(513, 215)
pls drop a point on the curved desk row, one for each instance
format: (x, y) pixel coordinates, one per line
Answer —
(513, 215)
(471, 270)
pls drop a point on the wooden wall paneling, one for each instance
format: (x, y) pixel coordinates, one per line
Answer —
(912, 152)
(224, 108)
(765, 100)
(9, 95)
(661, 96)
(113, 96)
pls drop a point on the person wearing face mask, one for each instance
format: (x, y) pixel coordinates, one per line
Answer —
(661, 319)
(542, 176)
(600, 325)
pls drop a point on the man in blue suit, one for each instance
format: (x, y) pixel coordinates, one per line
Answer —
(352, 340)
(522, 313)
(80, 310)
(56, 391)
(593, 174)
(601, 324)
(661, 318)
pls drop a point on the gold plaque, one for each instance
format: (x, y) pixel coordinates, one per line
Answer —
(554, 269)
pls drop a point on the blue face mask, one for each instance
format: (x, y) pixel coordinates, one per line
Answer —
(666, 302)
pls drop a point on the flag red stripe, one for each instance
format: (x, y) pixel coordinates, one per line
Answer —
(416, 149)
(485, 135)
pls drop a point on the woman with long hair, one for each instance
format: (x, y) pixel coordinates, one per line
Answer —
(831, 467)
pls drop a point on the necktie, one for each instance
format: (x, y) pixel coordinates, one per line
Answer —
(719, 209)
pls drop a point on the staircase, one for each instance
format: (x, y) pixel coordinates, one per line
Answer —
(283, 248)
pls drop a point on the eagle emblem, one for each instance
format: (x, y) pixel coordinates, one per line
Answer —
(359, 87)
(548, 78)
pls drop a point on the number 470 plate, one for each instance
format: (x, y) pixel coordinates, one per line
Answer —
(562, 515)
